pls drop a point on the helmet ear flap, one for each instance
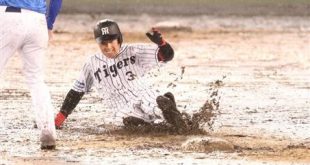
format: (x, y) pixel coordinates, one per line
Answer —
(120, 40)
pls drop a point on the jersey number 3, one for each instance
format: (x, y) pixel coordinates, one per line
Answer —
(130, 76)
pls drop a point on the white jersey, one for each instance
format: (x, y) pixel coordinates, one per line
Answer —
(118, 81)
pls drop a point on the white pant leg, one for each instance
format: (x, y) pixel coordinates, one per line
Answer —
(33, 52)
(10, 36)
(149, 112)
(27, 32)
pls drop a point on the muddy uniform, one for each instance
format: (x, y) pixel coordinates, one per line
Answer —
(118, 80)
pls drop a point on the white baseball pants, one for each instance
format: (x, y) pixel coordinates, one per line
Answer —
(26, 32)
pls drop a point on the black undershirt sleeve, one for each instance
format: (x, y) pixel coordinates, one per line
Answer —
(165, 53)
(71, 101)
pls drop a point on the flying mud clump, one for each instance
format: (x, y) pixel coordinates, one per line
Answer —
(204, 119)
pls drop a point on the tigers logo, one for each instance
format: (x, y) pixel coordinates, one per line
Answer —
(113, 70)
(105, 30)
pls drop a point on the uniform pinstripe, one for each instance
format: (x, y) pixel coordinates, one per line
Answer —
(118, 81)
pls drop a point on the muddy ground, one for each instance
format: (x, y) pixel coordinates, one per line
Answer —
(262, 66)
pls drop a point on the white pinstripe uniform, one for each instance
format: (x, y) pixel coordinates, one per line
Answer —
(118, 81)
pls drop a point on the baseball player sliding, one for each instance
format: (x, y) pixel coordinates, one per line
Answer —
(116, 73)
(24, 28)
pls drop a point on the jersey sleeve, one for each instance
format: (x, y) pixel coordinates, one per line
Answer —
(85, 80)
(53, 10)
(147, 56)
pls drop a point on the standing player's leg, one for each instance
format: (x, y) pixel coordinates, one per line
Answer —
(33, 53)
(9, 34)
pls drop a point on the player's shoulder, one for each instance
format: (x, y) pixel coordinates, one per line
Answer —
(139, 46)
(93, 57)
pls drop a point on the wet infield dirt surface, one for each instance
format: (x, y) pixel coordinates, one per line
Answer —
(259, 68)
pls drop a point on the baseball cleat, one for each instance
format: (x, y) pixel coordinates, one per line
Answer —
(171, 97)
(48, 140)
(131, 121)
(48, 147)
(168, 107)
(35, 125)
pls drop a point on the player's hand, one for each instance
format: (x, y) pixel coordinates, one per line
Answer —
(50, 35)
(155, 36)
(59, 120)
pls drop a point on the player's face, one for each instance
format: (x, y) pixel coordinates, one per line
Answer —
(110, 48)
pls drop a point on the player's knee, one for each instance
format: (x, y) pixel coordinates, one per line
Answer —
(34, 78)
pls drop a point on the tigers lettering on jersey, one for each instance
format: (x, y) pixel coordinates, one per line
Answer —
(119, 81)
(113, 69)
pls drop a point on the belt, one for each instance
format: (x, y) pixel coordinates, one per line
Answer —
(13, 9)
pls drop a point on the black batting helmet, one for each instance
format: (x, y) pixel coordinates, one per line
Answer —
(107, 30)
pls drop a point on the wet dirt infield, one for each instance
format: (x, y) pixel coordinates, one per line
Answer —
(257, 68)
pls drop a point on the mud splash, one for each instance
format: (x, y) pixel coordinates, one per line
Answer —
(207, 113)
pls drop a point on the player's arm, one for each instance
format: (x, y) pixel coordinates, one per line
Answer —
(165, 52)
(53, 10)
(81, 86)
(71, 101)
